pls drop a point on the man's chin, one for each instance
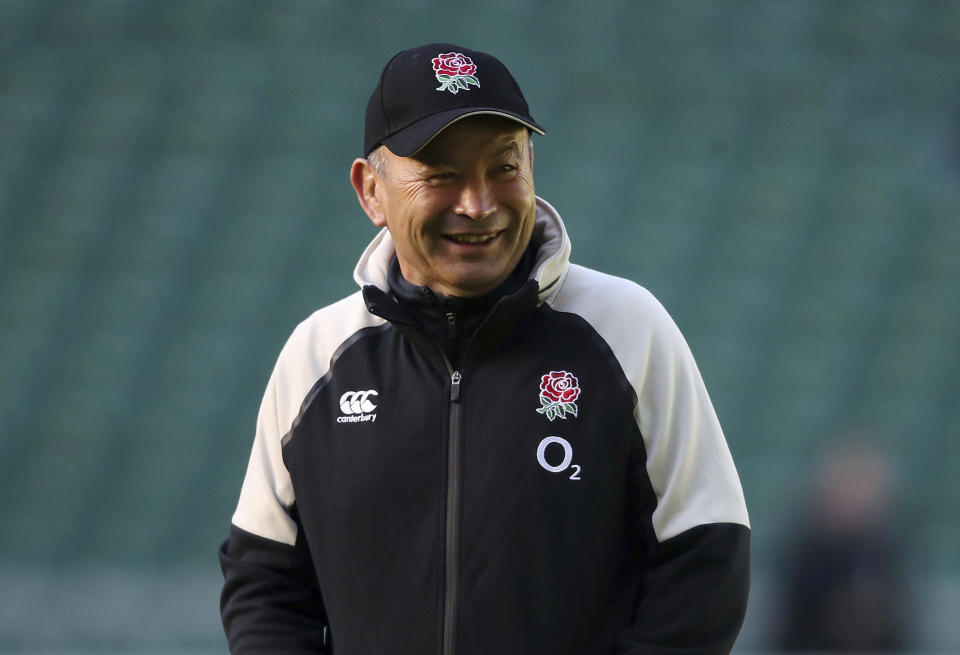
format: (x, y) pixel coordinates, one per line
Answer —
(469, 286)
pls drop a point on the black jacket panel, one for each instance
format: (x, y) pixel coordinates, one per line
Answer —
(358, 482)
(270, 602)
(694, 593)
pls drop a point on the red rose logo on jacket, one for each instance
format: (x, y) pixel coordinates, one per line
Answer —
(559, 391)
(454, 71)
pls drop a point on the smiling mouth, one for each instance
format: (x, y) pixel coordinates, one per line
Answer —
(471, 238)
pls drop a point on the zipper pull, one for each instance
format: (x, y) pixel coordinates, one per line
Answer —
(455, 378)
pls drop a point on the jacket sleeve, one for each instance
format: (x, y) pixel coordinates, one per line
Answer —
(271, 601)
(693, 595)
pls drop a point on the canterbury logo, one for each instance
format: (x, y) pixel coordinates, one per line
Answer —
(357, 402)
(357, 406)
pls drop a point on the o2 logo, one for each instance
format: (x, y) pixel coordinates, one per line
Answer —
(565, 463)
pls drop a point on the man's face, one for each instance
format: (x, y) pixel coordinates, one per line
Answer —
(461, 211)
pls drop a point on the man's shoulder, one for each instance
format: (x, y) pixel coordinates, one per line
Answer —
(336, 310)
(329, 327)
(626, 315)
(595, 292)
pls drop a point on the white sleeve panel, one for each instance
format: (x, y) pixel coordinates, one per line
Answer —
(688, 461)
(267, 492)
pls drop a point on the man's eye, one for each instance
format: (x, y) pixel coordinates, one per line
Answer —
(442, 177)
(506, 168)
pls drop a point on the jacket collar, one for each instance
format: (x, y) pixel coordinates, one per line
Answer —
(549, 269)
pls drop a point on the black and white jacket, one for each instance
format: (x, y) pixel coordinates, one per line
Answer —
(566, 489)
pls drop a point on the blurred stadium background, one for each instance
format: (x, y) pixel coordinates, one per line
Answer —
(784, 175)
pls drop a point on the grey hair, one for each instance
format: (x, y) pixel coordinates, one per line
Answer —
(378, 162)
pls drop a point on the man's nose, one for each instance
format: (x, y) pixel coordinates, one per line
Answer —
(476, 200)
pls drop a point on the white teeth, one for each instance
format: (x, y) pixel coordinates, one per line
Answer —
(469, 238)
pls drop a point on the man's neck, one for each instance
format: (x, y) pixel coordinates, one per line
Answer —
(452, 319)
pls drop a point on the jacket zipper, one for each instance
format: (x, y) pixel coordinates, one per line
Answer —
(453, 515)
(453, 502)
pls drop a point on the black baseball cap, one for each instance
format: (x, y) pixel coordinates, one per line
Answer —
(425, 89)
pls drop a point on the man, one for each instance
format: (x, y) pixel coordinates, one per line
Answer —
(487, 449)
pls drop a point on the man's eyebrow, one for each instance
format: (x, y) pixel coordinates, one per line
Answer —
(512, 147)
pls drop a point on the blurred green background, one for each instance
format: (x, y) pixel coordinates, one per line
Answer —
(783, 175)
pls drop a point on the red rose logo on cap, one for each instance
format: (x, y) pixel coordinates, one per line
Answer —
(559, 391)
(454, 71)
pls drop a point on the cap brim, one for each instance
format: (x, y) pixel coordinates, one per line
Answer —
(413, 138)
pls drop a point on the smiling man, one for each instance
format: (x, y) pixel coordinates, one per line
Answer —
(487, 449)
(461, 210)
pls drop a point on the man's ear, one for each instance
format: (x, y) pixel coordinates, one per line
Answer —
(365, 181)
